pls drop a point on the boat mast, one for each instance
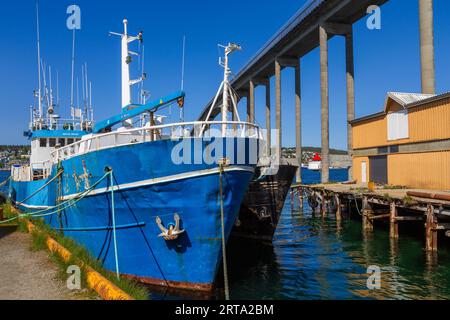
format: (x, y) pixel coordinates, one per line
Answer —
(126, 61)
(39, 63)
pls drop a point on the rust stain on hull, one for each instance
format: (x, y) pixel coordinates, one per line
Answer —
(204, 287)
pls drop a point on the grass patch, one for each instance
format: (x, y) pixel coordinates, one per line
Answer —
(38, 241)
(79, 253)
(360, 190)
(408, 201)
(388, 187)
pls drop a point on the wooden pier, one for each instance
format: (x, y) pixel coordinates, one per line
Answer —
(394, 205)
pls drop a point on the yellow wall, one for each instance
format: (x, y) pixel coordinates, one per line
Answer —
(426, 123)
(369, 134)
(431, 123)
(429, 170)
(357, 175)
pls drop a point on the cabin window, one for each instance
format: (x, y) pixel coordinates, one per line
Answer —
(43, 143)
(62, 142)
(397, 123)
(69, 141)
(52, 142)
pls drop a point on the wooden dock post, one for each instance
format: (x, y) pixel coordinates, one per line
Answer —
(300, 197)
(337, 201)
(366, 215)
(431, 229)
(292, 200)
(393, 226)
(324, 204)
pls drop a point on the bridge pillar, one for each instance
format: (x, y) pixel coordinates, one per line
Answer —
(298, 121)
(350, 94)
(427, 46)
(278, 108)
(325, 103)
(251, 102)
(268, 119)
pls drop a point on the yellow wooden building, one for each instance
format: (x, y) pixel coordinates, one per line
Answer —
(407, 144)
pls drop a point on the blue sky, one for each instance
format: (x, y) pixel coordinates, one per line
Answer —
(385, 60)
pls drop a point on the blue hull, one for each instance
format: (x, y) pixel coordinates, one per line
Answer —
(147, 185)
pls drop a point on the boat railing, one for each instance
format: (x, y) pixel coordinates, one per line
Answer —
(35, 171)
(196, 129)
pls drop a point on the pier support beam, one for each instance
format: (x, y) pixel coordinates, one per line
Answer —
(278, 108)
(298, 121)
(427, 46)
(324, 204)
(350, 93)
(393, 226)
(325, 103)
(268, 119)
(366, 216)
(431, 229)
(251, 102)
(337, 201)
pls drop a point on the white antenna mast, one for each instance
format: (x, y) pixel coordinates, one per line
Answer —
(39, 60)
(225, 88)
(73, 75)
(126, 60)
(182, 76)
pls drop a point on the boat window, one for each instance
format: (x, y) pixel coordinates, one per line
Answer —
(69, 141)
(62, 142)
(43, 142)
(52, 142)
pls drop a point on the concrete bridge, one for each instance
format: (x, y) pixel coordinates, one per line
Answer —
(311, 27)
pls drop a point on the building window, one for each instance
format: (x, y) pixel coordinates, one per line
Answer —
(52, 142)
(397, 125)
(393, 149)
(62, 142)
(69, 141)
(43, 143)
(382, 150)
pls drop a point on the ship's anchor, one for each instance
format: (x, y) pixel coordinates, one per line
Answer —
(172, 231)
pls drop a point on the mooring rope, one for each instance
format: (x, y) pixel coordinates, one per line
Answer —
(5, 182)
(143, 234)
(224, 253)
(71, 202)
(41, 188)
(113, 213)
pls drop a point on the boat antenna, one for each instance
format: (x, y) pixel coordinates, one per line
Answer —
(57, 87)
(125, 62)
(182, 75)
(39, 96)
(90, 103)
(73, 74)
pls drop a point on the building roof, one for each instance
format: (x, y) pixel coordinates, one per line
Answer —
(406, 100)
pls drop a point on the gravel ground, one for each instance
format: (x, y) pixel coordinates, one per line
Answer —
(28, 275)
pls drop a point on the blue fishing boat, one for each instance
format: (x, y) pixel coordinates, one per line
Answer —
(151, 201)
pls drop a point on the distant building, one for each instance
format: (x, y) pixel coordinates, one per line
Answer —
(407, 144)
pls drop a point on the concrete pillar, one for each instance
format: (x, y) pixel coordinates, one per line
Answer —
(325, 103)
(350, 94)
(298, 121)
(278, 107)
(268, 119)
(251, 103)
(427, 46)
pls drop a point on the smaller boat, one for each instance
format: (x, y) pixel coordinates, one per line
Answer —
(316, 163)
(262, 205)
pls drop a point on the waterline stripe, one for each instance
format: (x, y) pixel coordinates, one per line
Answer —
(125, 226)
(176, 177)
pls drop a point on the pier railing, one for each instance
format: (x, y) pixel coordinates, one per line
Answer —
(196, 129)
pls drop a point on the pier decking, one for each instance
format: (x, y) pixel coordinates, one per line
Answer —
(392, 204)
